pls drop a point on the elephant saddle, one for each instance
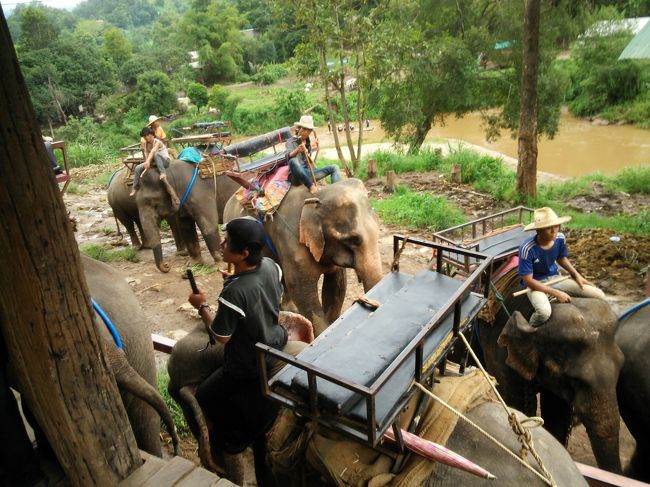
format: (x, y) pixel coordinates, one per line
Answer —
(268, 190)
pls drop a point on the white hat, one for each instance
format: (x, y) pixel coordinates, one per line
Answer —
(306, 122)
(544, 218)
(152, 119)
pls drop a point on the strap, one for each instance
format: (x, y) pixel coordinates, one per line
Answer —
(634, 309)
(267, 239)
(108, 323)
(189, 187)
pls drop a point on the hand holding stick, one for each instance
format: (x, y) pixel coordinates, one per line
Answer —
(195, 290)
(548, 283)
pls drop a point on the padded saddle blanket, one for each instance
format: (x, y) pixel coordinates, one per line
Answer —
(361, 344)
(271, 188)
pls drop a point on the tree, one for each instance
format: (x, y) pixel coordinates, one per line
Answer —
(37, 31)
(45, 309)
(116, 47)
(527, 165)
(198, 94)
(155, 93)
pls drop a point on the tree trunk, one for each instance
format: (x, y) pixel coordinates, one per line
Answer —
(527, 166)
(45, 312)
(421, 132)
(391, 181)
(372, 168)
(326, 82)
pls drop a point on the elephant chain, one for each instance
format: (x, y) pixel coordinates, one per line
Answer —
(522, 432)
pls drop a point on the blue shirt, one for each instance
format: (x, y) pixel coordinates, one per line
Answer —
(541, 263)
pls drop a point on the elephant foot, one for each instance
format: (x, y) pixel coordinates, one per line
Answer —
(182, 252)
(234, 465)
(164, 267)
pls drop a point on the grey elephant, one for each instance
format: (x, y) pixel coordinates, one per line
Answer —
(202, 206)
(322, 235)
(134, 366)
(125, 211)
(192, 360)
(633, 336)
(572, 361)
(334, 460)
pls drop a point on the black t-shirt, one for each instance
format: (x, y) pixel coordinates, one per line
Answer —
(294, 142)
(248, 313)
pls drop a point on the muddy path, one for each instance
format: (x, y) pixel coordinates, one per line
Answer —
(617, 267)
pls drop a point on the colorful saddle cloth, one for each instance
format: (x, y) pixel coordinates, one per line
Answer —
(270, 188)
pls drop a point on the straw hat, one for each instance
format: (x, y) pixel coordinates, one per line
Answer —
(152, 119)
(544, 218)
(306, 122)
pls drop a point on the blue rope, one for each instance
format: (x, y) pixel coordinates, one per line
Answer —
(189, 187)
(267, 240)
(109, 324)
(110, 180)
(634, 308)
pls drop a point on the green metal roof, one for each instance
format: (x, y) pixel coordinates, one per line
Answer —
(639, 46)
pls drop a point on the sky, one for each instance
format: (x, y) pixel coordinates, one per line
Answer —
(9, 5)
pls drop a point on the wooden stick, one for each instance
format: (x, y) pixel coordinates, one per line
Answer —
(310, 165)
(548, 283)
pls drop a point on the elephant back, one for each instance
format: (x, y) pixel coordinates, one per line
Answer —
(118, 195)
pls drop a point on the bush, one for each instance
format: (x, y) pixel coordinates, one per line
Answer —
(289, 106)
(269, 74)
(424, 160)
(155, 93)
(484, 173)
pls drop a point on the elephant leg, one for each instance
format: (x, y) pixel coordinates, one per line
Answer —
(263, 473)
(181, 247)
(557, 416)
(149, 220)
(211, 237)
(198, 425)
(305, 296)
(333, 293)
(188, 231)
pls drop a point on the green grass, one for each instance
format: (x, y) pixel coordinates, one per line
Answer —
(162, 378)
(83, 154)
(202, 269)
(76, 188)
(633, 224)
(418, 210)
(106, 253)
(425, 160)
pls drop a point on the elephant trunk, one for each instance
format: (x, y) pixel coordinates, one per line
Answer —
(601, 420)
(369, 269)
(128, 380)
(158, 258)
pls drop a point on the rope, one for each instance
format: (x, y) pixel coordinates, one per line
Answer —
(523, 434)
(109, 324)
(499, 298)
(395, 265)
(189, 187)
(634, 309)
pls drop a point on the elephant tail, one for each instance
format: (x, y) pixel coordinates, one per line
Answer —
(130, 381)
(203, 437)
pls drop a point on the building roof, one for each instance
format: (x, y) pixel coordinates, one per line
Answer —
(639, 46)
(611, 27)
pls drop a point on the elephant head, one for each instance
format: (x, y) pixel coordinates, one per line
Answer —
(574, 356)
(340, 229)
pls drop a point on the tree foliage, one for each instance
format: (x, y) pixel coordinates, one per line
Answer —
(198, 94)
(155, 93)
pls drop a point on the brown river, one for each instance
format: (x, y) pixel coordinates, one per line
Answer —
(580, 147)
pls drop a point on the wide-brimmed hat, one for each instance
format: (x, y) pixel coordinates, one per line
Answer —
(544, 218)
(306, 122)
(152, 119)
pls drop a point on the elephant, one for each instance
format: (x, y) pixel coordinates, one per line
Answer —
(330, 455)
(125, 211)
(192, 361)
(134, 368)
(633, 337)
(572, 360)
(203, 205)
(322, 235)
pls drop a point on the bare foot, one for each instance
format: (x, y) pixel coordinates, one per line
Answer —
(132, 193)
(163, 177)
(313, 189)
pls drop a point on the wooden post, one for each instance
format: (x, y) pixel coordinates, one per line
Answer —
(45, 310)
(456, 177)
(372, 169)
(391, 181)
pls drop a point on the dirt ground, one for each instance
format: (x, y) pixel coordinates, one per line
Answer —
(617, 267)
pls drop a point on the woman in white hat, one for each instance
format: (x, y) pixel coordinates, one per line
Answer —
(297, 148)
(158, 131)
(539, 257)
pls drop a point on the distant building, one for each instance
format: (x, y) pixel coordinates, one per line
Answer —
(194, 60)
(249, 32)
(606, 28)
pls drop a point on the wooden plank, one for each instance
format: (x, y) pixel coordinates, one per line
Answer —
(172, 472)
(151, 465)
(162, 344)
(199, 477)
(596, 477)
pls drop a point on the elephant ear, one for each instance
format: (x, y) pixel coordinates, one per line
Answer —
(517, 337)
(311, 230)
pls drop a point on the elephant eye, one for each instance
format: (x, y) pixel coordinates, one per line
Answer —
(351, 240)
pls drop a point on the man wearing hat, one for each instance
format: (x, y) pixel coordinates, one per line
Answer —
(249, 305)
(299, 151)
(539, 257)
(158, 131)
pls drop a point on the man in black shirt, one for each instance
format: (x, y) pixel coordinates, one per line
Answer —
(248, 311)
